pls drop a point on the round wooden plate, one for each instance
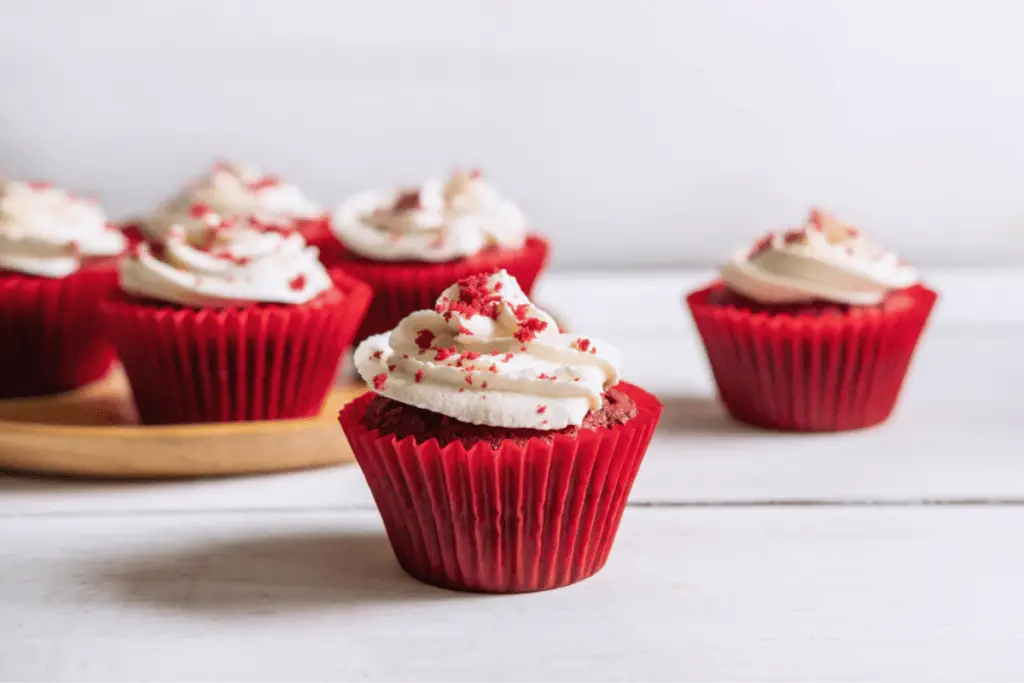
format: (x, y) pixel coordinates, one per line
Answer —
(93, 432)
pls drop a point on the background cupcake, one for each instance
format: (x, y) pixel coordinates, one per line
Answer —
(229, 320)
(56, 262)
(410, 244)
(236, 191)
(812, 329)
(500, 451)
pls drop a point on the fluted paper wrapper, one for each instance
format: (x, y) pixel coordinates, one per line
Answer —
(510, 520)
(260, 362)
(402, 288)
(807, 373)
(51, 338)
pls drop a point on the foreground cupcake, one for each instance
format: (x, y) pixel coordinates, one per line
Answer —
(500, 452)
(813, 329)
(231, 320)
(236, 191)
(410, 244)
(55, 263)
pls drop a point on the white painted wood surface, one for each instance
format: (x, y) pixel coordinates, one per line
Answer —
(888, 554)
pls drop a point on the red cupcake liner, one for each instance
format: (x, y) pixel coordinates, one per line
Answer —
(811, 374)
(515, 519)
(261, 362)
(402, 288)
(51, 338)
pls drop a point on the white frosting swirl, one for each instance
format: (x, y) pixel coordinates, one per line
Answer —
(824, 260)
(235, 191)
(48, 232)
(440, 221)
(225, 264)
(488, 356)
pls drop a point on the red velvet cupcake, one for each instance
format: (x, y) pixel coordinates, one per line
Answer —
(233, 322)
(55, 263)
(411, 244)
(813, 329)
(235, 191)
(500, 452)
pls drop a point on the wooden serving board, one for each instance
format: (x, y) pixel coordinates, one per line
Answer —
(93, 432)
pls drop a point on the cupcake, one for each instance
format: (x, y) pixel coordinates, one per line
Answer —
(56, 262)
(499, 451)
(812, 329)
(229, 320)
(410, 244)
(235, 191)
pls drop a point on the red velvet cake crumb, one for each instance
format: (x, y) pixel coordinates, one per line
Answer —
(424, 338)
(379, 380)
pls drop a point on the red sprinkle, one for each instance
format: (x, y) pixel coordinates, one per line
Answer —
(521, 311)
(424, 338)
(529, 329)
(298, 282)
(582, 344)
(483, 385)
(493, 368)
(377, 355)
(379, 380)
(474, 299)
(470, 355)
(419, 376)
(391, 368)
(541, 409)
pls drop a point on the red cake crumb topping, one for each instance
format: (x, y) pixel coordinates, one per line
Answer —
(406, 201)
(593, 350)
(582, 344)
(762, 245)
(476, 174)
(541, 409)
(377, 355)
(199, 210)
(264, 182)
(529, 329)
(520, 311)
(509, 356)
(463, 330)
(794, 236)
(298, 282)
(424, 338)
(493, 368)
(391, 367)
(443, 354)
(419, 376)
(469, 380)
(483, 385)
(379, 380)
(470, 355)
(39, 185)
(474, 299)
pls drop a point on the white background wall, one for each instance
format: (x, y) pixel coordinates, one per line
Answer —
(634, 132)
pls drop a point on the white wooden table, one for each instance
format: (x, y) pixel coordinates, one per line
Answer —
(890, 554)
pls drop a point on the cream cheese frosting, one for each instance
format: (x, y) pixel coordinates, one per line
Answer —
(486, 355)
(216, 262)
(235, 191)
(440, 221)
(824, 260)
(48, 232)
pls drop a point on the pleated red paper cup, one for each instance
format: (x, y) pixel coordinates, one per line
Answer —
(510, 520)
(259, 362)
(402, 288)
(51, 338)
(811, 373)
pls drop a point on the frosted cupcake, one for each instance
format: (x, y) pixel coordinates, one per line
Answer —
(236, 191)
(812, 329)
(499, 451)
(229, 320)
(56, 262)
(410, 244)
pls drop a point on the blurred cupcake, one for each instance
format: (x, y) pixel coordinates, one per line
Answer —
(499, 451)
(235, 191)
(813, 329)
(56, 262)
(410, 244)
(228, 320)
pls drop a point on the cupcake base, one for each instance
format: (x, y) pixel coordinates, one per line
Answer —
(810, 371)
(51, 338)
(260, 362)
(518, 518)
(402, 288)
